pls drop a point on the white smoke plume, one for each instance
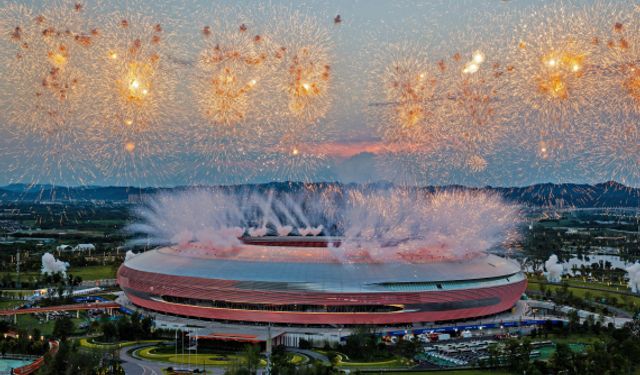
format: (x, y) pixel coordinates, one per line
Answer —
(414, 226)
(310, 231)
(206, 216)
(554, 269)
(388, 225)
(258, 232)
(51, 265)
(284, 230)
(128, 255)
(633, 272)
(217, 218)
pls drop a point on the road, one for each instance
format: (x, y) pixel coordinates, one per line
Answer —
(74, 307)
(135, 366)
(311, 354)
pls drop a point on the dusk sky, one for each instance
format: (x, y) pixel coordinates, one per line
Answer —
(588, 136)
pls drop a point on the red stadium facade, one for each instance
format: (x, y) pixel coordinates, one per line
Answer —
(309, 289)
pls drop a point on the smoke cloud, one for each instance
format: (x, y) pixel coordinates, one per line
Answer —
(415, 226)
(633, 272)
(128, 255)
(554, 269)
(51, 265)
(380, 226)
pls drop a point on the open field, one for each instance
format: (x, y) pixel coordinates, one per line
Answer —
(579, 283)
(631, 302)
(28, 322)
(6, 305)
(94, 272)
(582, 292)
(87, 273)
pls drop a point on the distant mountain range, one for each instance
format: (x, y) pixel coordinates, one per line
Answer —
(608, 194)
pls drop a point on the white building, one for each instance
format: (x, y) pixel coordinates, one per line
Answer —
(84, 247)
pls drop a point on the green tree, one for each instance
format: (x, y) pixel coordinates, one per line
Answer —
(574, 321)
(109, 331)
(493, 356)
(280, 364)
(70, 361)
(518, 354)
(562, 358)
(408, 348)
(63, 328)
(251, 355)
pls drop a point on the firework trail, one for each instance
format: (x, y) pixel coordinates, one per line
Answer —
(138, 114)
(408, 103)
(258, 92)
(378, 226)
(129, 94)
(414, 226)
(44, 86)
(305, 73)
(232, 69)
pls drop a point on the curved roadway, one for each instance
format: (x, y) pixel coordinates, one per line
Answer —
(137, 366)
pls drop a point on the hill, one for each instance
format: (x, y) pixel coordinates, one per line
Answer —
(608, 194)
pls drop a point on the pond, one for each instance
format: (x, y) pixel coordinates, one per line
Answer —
(8, 364)
(588, 260)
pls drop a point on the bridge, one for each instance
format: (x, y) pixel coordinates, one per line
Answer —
(77, 307)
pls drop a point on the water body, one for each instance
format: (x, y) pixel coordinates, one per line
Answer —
(588, 260)
(616, 261)
(8, 364)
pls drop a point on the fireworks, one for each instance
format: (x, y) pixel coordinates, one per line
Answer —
(135, 82)
(231, 68)
(380, 226)
(248, 93)
(44, 84)
(294, 161)
(403, 94)
(304, 67)
(615, 151)
(477, 111)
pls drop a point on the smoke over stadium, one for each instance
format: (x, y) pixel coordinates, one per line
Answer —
(325, 256)
(381, 225)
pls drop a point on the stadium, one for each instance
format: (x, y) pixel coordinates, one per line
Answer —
(297, 281)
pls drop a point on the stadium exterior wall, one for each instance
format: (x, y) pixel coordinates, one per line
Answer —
(148, 290)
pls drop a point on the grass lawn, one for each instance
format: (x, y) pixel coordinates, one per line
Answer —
(629, 301)
(94, 272)
(597, 284)
(220, 359)
(194, 359)
(88, 343)
(586, 284)
(87, 273)
(394, 362)
(7, 305)
(28, 322)
(297, 359)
